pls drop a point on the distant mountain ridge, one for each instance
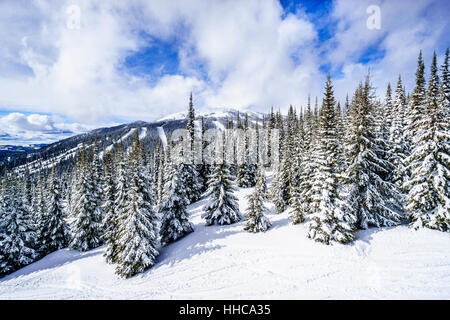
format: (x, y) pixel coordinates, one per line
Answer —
(108, 137)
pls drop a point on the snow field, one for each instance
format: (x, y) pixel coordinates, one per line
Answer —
(226, 262)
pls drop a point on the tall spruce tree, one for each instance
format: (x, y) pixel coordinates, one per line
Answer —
(160, 178)
(246, 171)
(397, 135)
(301, 195)
(416, 106)
(85, 218)
(444, 92)
(282, 181)
(256, 220)
(175, 218)
(52, 226)
(110, 192)
(222, 207)
(137, 232)
(190, 158)
(328, 222)
(429, 163)
(18, 237)
(372, 199)
(97, 182)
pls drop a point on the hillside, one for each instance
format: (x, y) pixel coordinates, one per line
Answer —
(108, 137)
(225, 262)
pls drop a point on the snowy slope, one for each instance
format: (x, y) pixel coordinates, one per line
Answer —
(225, 262)
(218, 113)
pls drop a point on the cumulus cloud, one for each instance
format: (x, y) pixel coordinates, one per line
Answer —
(246, 50)
(33, 122)
(19, 128)
(251, 53)
(406, 28)
(242, 54)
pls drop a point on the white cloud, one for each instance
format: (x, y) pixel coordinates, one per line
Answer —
(34, 122)
(232, 53)
(406, 28)
(246, 50)
(18, 128)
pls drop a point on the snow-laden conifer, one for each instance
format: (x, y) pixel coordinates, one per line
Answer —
(397, 134)
(300, 199)
(175, 218)
(109, 206)
(256, 220)
(429, 164)
(137, 231)
(372, 199)
(328, 222)
(222, 207)
(52, 226)
(85, 218)
(17, 237)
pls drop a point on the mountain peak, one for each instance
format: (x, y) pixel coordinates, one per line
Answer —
(217, 113)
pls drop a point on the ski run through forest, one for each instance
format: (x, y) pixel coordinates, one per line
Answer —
(341, 168)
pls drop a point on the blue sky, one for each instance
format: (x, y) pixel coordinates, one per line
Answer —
(74, 65)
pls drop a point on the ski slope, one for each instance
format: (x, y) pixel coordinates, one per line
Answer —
(225, 262)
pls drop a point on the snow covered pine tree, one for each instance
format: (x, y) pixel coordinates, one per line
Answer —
(328, 222)
(175, 220)
(222, 207)
(429, 163)
(52, 227)
(256, 220)
(137, 233)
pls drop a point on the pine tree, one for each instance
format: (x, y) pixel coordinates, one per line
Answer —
(160, 178)
(205, 167)
(373, 200)
(190, 176)
(18, 238)
(53, 233)
(387, 114)
(429, 163)
(222, 207)
(137, 233)
(167, 173)
(416, 106)
(298, 140)
(190, 127)
(190, 158)
(5, 207)
(282, 181)
(40, 215)
(397, 136)
(97, 182)
(27, 190)
(340, 122)
(84, 220)
(175, 218)
(261, 181)
(111, 220)
(246, 174)
(256, 220)
(328, 222)
(444, 92)
(277, 190)
(301, 199)
(156, 161)
(109, 223)
(270, 128)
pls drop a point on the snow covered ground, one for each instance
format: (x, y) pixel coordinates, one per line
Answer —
(225, 262)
